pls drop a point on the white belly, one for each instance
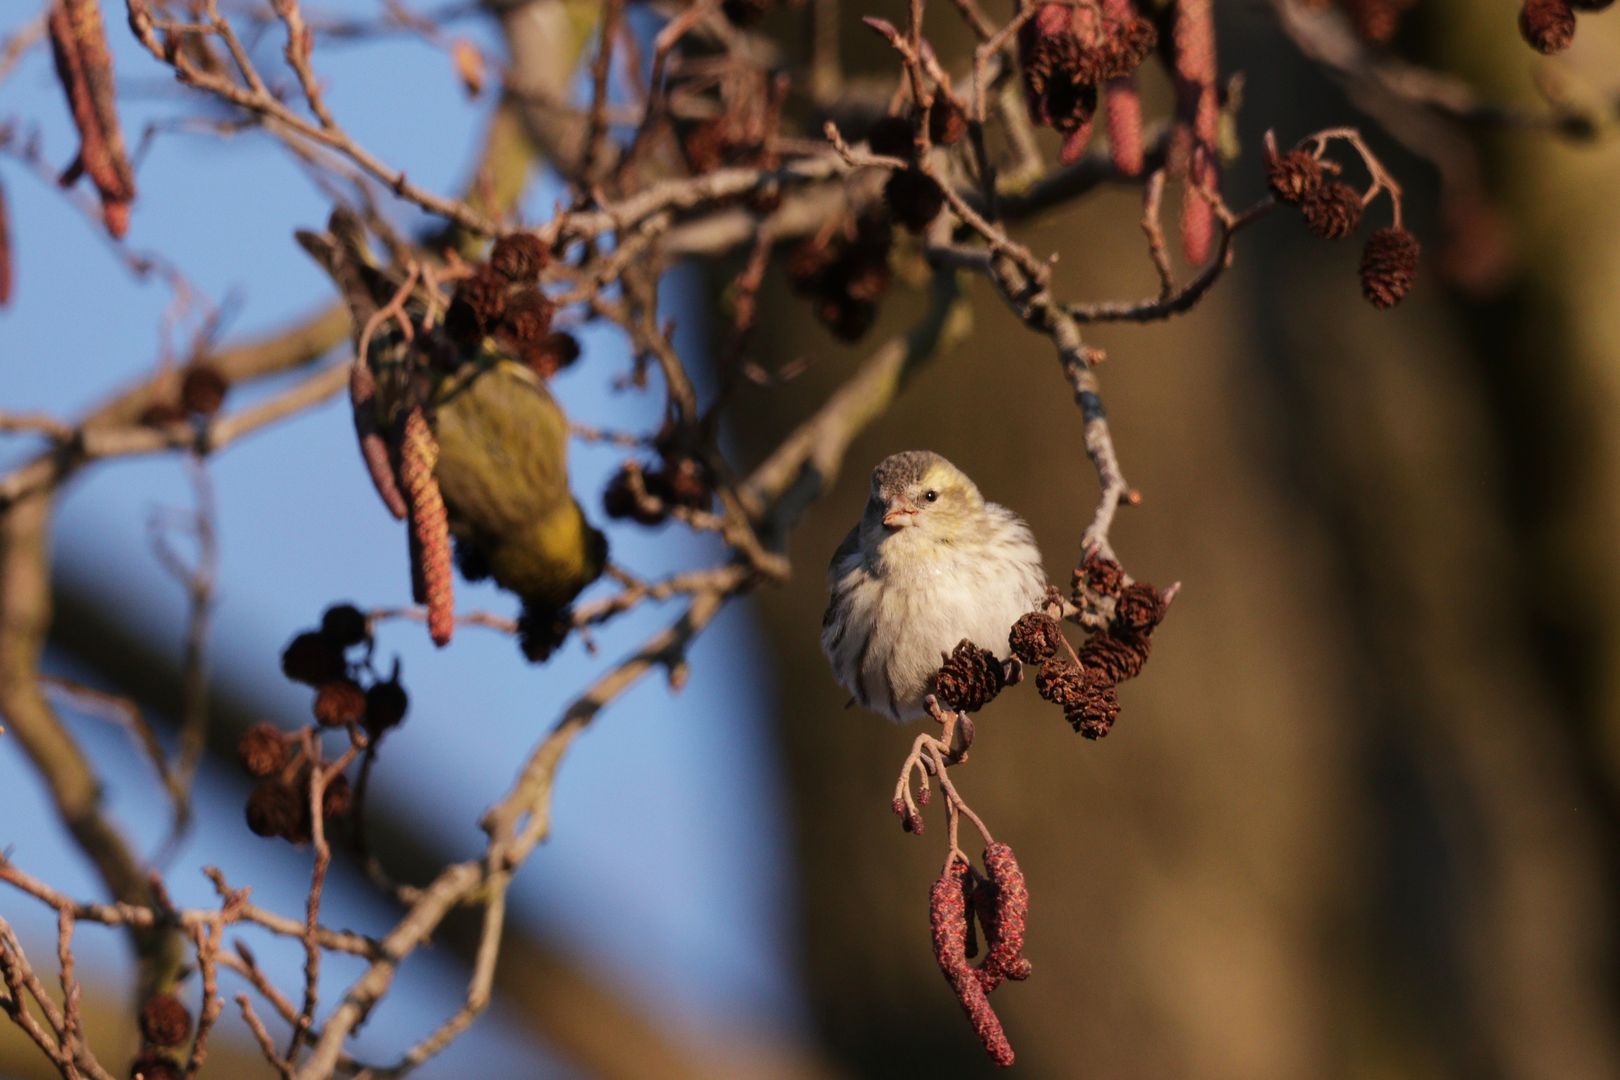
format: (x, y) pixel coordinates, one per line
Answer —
(902, 625)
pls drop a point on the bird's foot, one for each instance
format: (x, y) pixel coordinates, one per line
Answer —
(1012, 671)
(956, 730)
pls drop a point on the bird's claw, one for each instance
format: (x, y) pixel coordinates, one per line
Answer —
(1012, 671)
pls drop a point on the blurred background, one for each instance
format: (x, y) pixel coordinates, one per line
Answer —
(1360, 816)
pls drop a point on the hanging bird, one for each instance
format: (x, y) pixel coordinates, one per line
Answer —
(502, 440)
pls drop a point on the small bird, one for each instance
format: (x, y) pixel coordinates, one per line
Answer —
(502, 438)
(929, 564)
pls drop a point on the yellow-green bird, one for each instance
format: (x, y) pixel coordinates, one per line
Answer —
(502, 463)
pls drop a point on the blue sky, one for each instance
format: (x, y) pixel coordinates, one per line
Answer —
(672, 789)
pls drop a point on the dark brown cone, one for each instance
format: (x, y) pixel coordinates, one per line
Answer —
(1294, 175)
(1035, 637)
(1100, 576)
(274, 809)
(1060, 86)
(914, 198)
(1332, 211)
(1116, 658)
(386, 703)
(152, 1065)
(526, 319)
(202, 390)
(947, 122)
(618, 498)
(165, 1021)
(312, 658)
(1060, 680)
(338, 798)
(1119, 52)
(344, 625)
(552, 353)
(1548, 25)
(1139, 610)
(970, 678)
(1388, 265)
(479, 303)
(1133, 41)
(891, 136)
(339, 703)
(1094, 709)
(519, 258)
(262, 750)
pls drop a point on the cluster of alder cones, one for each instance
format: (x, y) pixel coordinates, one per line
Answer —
(1121, 616)
(844, 271)
(502, 299)
(1083, 683)
(347, 696)
(1068, 54)
(649, 492)
(1332, 209)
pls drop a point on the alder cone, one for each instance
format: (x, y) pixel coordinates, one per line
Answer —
(1388, 266)
(1548, 25)
(1333, 211)
(970, 678)
(891, 136)
(1294, 175)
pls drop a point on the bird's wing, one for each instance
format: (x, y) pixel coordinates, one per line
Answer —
(837, 570)
(850, 545)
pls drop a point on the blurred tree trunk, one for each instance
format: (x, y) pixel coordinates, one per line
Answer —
(1350, 822)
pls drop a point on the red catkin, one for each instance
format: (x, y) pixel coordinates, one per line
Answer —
(947, 911)
(1123, 104)
(1074, 143)
(430, 526)
(373, 447)
(84, 68)
(1005, 957)
(1197, 122)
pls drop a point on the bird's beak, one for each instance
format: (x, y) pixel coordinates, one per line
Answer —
(900, 515)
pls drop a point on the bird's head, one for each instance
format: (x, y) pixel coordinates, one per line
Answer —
(919, 494)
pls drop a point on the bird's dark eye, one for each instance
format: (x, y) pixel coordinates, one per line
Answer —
(930, 496)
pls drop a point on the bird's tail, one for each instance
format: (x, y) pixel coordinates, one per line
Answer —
(343, 253)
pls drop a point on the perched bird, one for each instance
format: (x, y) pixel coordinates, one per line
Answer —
(929, 564)
(502, 439)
